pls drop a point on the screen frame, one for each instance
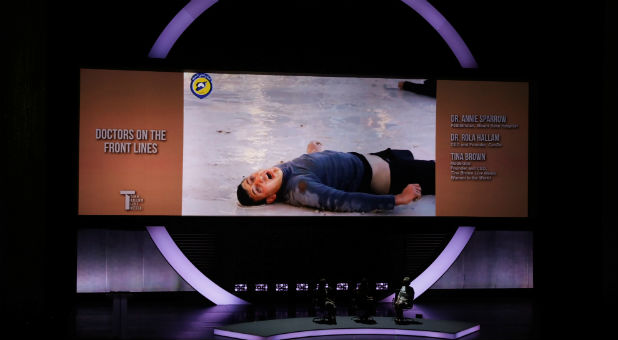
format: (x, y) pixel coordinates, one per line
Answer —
(439, 222)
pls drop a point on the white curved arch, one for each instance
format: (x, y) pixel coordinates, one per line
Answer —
(195, 8)
(441, 264)
(220, 296)
(177, 26)
(446, 31)
(188, 271)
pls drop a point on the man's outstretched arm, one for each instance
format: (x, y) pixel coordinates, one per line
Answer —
(317, 195)
(412, 192)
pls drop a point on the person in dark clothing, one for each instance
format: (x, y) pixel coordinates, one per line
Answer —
(342, 181)
(325, 300)
(364, 302)
(403, 299)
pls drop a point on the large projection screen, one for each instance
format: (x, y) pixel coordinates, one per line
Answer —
(179, 144)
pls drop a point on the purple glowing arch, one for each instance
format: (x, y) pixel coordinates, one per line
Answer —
(220, 296)
(195, 8)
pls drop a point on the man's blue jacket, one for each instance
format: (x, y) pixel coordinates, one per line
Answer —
(329, 180)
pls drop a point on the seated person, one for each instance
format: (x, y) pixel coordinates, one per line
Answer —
(364, 302)
(342, 181)
(324, 299)
(403, 299)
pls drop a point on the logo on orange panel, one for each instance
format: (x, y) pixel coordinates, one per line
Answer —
(201, 85)
(132, 201)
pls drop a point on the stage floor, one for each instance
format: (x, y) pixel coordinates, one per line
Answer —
(294, 328)
(192, 317)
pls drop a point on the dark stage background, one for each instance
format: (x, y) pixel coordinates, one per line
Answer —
(567, 52)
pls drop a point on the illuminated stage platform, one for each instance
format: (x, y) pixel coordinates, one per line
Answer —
(280, 329)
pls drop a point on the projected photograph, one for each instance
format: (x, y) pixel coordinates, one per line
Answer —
(210, 144)
(278, 145)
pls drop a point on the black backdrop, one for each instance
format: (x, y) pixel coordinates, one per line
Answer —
(568, 52)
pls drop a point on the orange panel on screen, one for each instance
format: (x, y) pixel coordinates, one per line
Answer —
(130, 144)
(482, 149)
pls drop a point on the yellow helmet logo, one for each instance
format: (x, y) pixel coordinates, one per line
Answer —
(201, 85)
